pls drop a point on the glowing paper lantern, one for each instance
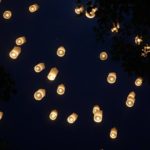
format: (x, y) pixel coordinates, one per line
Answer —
(98, 116)
(33, 8)
(111, 78)
(53, 115)
(115, 28)
(91, 14)
(72, 118)
(113, 133)
(138, 81)
(1, 115)
(130, 99)
(39, 67)
(79, 9)
(61, 89)
(15, 52)
(39, 94)
(52, 74)
(95, 109)
(7, 14)
(103, 56)
(61, 51)
(138, 40)
(20, 40)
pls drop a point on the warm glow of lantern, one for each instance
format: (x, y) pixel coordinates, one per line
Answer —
(33, 8)
(79, 9)
(138, 81)
(53, 115)
(61, 51)
(1, 115)
(39, 94)
(103, 56)
(98, 116)
(113, 133)
(115, 28)
(20, 40)
(91, 14)
(111, 78)
(95, 109)
(61, 89)
(72, 118)
(52, 74)
(7, 14)
(130, 99)
(138, 40)
(15, 52)
(39, 67)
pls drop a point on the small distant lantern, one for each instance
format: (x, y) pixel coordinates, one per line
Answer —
(72, 118)
(103, 56)
(95, 109)
(115, 28)
(52, 74)
(130, 99)
(145, 50)
(138, 40)
(113, 133)
(39, 67)
(33, 8)
(53, 115)
(7, 14)
(61, 51)
(1, 115)
(39, 94)
(91, 14)
(61, 89)
(98, 116)
(111, 78)
(15, 52)
(138, 81)
(20, 40)
(79, 9)
(132, 94)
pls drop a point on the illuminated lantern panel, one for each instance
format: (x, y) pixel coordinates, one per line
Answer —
(15, 52)
(1, 115)
(98, 116)
(61, 51)
(115, 28)
(103, 56)
(61, 89)
(7, 14)
(111, 78)
(95, 109)
(53, 115)
(33, 8)
(52, 74)
(91, 14)
(79, 10)
(39, 67)
(39, 94)
(113, 133)
(72, 118)
(138, 40)
(20, 40)
(138, 81)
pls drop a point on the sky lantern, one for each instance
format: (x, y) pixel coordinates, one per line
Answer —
(1, 115)
(7, 14)
(33, 8)
(39, 67)
(138, 40)
(15, 52)
(130, 99)
(103, 56)
(139, 81)
(115, 28)
(53, 115)
(79, 9)
(95, 108)
(61, 89)
(113, 133)
(39, 94)
(111, 78)
(52, 74)
(72, 118)
(20, 40)
(61, 51)
(92, 13)
(98, 114)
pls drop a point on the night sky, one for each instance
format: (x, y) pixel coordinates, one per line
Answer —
(26, 125)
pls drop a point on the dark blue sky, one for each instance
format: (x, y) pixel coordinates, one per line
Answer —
(26, 124)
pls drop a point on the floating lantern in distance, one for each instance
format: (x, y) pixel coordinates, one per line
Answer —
(138, 40)
(33, 8)
(52, 74)
(79, 9)
(103, 56)
(39, 67)
(61, 89)
(39, 94)
(115, 28)
(130, 99)
(132, 94)
(113, 133)
(7, 14)
(111, 78)
(20, 40)
(1, 115)
(138, 81)
(95, 109)
(91, 14)
(15, 52)
(72, 118)
(53, 115)
(61, 51)
(98, 116)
